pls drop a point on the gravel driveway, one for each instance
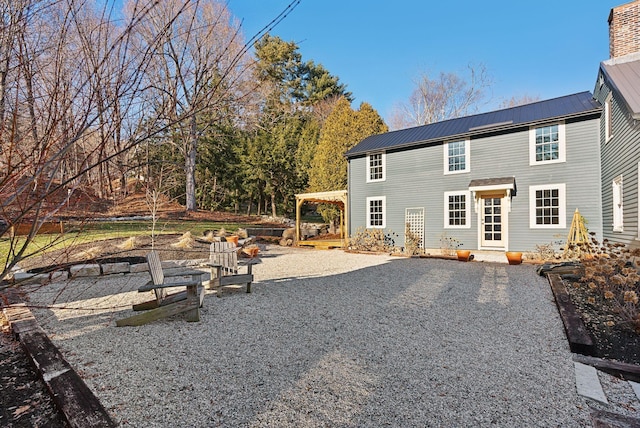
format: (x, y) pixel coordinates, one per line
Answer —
(330, 339)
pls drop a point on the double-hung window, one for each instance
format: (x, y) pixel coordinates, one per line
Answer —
(456, 210)
(376, 217)
(456, 157)
(547, 206)
(375, 167)
(547, 144)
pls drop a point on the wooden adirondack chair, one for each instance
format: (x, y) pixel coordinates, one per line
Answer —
(223, 261)
(165, 305)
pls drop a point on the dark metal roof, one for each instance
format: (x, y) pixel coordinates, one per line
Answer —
(491, 182)
(624, 76)
(557, 108)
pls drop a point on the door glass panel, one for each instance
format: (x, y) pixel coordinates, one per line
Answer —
(492, 221)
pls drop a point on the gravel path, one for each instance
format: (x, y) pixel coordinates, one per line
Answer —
(330, 339)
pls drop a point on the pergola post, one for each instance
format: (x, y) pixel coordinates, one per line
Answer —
(336, 197)
(299, 202)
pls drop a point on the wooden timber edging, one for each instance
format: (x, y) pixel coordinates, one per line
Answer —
(580, 342)
(579, 339)
(623, 370)
(77, 403)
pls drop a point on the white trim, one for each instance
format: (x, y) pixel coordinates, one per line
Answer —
(562, 206)
(467, 209)
(478, 189)
(467, 157)
(608, 118)
(562, 145)
(384, 212)
(504, 214)
(384, 168)
(618, 204)
(416, 221)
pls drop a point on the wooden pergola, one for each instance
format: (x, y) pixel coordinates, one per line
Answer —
(334, 197)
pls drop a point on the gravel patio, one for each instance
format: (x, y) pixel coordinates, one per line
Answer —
(329, 338)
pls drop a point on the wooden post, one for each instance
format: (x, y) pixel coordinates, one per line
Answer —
(299, 203)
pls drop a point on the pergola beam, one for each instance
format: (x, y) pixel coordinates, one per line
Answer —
(335, 197)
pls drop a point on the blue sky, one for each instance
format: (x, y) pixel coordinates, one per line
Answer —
(539, 48)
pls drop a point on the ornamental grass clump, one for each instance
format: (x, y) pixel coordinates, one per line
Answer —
(611, 277)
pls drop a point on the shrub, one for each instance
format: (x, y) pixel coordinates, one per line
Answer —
(449, 245)
(372, 240)
(411, 241)
(611, 275)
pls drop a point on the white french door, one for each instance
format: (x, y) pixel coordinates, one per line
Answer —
(493, 222)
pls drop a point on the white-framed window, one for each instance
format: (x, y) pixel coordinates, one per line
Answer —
(547, 206)
(608, 118)
(375, 167)
(547, 144)
(456, 157)
(376, 217)
(457, 210)
(618, 208)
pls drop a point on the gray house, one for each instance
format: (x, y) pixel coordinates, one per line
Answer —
(503, 180)
(618, 90)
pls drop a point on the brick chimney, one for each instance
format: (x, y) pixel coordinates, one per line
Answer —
(624, 29)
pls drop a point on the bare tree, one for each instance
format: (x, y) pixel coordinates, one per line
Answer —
(79, 90)
(518, 100)
(199, 45)
(57, 101)
(448, 96)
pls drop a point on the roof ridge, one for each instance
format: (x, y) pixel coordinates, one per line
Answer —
(496, 111)
(572, 105)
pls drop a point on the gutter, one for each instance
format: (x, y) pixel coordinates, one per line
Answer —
(480, 130)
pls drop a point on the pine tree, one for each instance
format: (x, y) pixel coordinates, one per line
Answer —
(342, 130)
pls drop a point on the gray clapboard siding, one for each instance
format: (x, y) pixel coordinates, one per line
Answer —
(415, 178)
(620, 156)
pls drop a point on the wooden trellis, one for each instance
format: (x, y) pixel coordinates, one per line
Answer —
(578, 241)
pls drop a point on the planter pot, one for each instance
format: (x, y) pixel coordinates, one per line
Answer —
(463, 255)
(514, 258)
(233, 238)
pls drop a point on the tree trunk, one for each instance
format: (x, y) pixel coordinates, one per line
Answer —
(273, 204)
(190, 166)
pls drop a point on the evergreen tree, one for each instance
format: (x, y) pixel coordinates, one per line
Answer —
(284, 140)
(343, 129)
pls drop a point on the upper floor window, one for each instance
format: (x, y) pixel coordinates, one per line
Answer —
(608, 119)
(376, 212)
(547, 206)
(375, 167)
(456, 157)
(456, 210)
(547, 144)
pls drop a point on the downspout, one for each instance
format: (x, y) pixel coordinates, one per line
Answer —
(347, 217)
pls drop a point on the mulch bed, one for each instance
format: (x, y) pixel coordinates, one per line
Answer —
(613, 339)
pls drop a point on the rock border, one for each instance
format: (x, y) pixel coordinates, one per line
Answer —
(80, 270)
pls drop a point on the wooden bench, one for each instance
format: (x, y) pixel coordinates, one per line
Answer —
(223, 261)
(164, 305)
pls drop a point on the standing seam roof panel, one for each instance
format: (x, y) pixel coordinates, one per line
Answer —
(542, 111)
